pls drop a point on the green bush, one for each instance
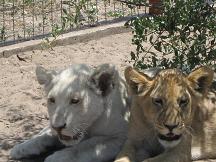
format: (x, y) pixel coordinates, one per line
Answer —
(183, 37)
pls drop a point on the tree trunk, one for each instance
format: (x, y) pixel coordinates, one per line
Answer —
(155, 7)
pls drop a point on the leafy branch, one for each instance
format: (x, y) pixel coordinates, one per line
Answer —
(184, 36)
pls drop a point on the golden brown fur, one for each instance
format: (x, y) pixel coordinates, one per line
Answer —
(169, 112)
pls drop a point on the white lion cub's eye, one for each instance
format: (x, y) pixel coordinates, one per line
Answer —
(51, 100)
(158, 102)
(74, 101)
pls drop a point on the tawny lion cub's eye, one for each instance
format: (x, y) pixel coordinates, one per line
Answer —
(74, 101)
(157, 101)
(51, 100)
(183, 102)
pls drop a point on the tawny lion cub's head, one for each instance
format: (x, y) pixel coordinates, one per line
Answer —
(168, 100)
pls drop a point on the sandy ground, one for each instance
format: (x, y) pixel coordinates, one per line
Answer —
(22, 104)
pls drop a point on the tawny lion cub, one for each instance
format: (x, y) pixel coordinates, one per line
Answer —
(168, 110)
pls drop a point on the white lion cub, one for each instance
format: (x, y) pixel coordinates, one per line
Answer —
(87, 110)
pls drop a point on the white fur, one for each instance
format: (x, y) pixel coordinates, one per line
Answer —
(100, 119)
(169, 144)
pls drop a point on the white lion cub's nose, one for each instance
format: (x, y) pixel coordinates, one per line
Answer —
(59, 128)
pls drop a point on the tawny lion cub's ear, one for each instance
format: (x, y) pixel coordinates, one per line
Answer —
(201, 79)
(139, 83)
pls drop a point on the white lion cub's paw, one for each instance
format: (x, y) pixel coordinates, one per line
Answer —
(24, 150)
(61, 156)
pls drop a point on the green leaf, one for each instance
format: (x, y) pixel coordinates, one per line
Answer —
(133, 56)
(157, 46)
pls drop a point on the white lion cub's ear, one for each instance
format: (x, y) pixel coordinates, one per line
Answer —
(102, 81)
(44, 76)
(138, 82)
(201, 79)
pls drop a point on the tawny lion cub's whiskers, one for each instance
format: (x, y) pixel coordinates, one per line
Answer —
(164, 106)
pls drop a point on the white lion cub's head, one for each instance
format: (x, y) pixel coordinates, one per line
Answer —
(75, 98)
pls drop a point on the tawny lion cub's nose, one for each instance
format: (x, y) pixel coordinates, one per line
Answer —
(171, 127)
(59, 128)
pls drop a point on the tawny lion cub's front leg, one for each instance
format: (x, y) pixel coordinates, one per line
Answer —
(127, 153)
(180, 153)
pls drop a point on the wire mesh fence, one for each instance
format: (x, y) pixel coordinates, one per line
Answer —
(22, 20)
